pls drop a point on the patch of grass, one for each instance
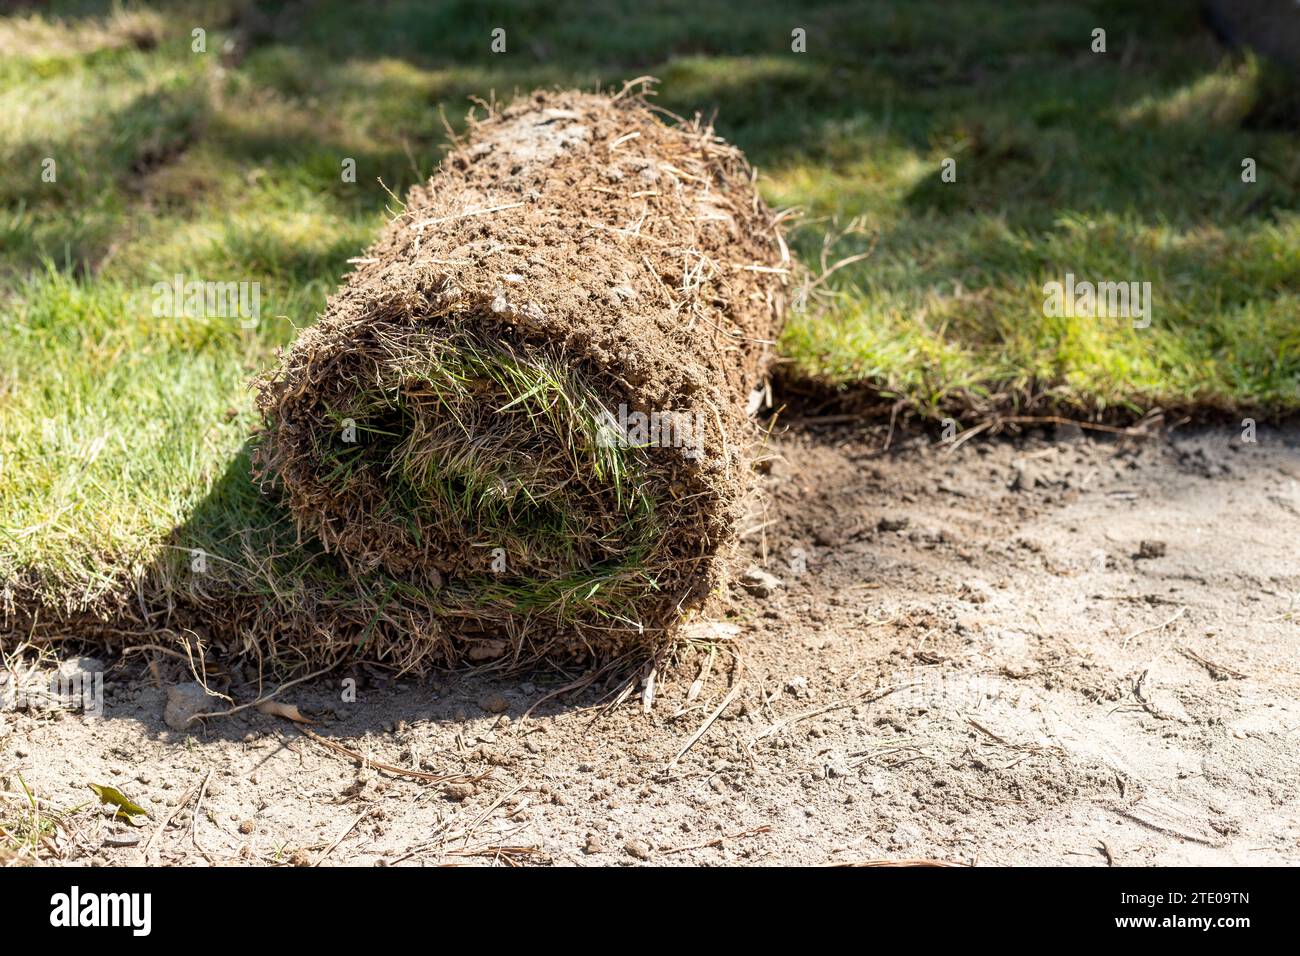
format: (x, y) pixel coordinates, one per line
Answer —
(467, 441)
(123, 432)
(116, 423)
(28, 826)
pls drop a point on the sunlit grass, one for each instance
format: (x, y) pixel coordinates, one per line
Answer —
(116, 424)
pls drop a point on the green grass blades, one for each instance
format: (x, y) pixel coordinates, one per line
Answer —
(461, 440)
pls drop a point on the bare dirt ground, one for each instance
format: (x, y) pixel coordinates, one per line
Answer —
(971, 656)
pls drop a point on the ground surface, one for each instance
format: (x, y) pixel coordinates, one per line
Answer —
(974, 664)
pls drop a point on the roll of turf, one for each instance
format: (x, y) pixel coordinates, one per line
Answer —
(527, 406)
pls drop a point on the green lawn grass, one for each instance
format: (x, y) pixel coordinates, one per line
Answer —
(118, 426)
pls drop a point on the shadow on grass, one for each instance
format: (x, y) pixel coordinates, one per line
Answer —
(252, 602)
(237, 572)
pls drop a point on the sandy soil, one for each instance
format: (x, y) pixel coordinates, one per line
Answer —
(971, 656)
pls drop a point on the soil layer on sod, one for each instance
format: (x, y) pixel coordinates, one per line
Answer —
(527, 407)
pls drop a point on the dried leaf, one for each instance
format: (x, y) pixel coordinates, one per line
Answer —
(126, 809)
(486, 650)
(648, 692)
(710, 631)
(277, 709)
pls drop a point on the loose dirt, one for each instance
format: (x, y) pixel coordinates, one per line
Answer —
(1069, 651)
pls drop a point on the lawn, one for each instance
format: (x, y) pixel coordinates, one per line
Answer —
(128, 158)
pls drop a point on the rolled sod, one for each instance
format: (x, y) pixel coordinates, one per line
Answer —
(527, 406)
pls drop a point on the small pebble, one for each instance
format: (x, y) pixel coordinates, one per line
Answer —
(1152, 549)
(638, 848)
(456, 792)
